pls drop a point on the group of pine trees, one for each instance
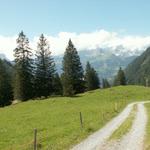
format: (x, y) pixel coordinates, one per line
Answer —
(35, 76)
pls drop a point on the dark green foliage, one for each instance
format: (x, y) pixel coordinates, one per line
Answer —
(106, 83)
(23, 77)
(45, 69)
(91, 78)
(105, 63)
(6, 94)
(120, 79)
(72, 76)
(57, 85)
(138, 72)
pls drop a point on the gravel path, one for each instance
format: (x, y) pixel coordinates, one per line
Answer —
(98, 138)
(134, 139)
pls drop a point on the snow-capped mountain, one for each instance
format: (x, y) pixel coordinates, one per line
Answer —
(121, 51)
(118, 51)
(106, 61)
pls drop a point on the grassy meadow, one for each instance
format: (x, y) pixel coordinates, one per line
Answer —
(57, 119)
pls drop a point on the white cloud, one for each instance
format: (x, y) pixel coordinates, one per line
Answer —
(92, 40)
(7, 44)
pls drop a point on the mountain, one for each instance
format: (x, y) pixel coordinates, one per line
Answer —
(106, 62)
(2, 56)
(138, 71)
(7, 63)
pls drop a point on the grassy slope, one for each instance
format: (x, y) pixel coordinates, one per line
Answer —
(57, 119)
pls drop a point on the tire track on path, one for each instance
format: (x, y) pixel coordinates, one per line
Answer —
(134, 140)
(98, 138)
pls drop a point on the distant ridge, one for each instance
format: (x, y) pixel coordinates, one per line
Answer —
(2, 56)
(104, 61)
(138, 71)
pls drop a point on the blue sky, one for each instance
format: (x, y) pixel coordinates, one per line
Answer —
(54, 16)
(89, 23)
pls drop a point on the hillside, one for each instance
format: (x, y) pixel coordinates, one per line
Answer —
(139, 70)
(8, 65)
(105, 61)
(57, 119)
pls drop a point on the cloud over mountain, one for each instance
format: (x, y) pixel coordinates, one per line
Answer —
(91, 40)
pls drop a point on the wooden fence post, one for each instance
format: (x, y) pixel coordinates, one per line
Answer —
(35, 139)
(116, 107)
(81, 120)
(102, 115)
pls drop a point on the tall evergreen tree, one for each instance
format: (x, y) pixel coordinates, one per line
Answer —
(23, 79)
(120, 79)
(6, 94)
(57, 85)
(72, 76)
(91, 78)
(45, 69)
(106, 83)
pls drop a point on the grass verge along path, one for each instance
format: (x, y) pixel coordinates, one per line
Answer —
(126, 125)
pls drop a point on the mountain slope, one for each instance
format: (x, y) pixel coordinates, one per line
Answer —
(138, 71)
(2, 56)
(104, 61)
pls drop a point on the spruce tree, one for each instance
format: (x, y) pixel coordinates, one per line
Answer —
(106, 83)
(120, 79)
(45, 69)
(57, 85)
(6, 94)
(91, 78)
(23, 79)
(72, 76)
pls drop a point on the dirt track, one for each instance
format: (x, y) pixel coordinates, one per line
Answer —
(132, 141)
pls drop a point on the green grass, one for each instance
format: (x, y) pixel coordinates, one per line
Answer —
(57, 119)
(125, 126)
(147, 139)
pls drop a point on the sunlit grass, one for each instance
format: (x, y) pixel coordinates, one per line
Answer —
(57, 119)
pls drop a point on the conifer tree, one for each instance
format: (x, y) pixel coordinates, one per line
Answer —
(45, 69)
(6, 94)
(120, 79)
(72, 76)
(57, 85)
(91, 78)
(23, 79)
(106, 83)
